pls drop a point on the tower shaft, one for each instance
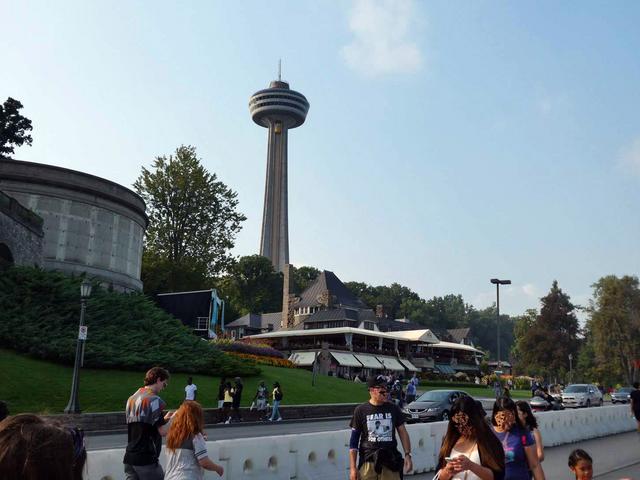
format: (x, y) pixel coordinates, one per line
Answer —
(274, 241)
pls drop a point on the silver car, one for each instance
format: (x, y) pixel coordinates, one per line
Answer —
(622, 395)
(581, 395)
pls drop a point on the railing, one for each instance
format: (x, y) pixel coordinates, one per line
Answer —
(13, 208)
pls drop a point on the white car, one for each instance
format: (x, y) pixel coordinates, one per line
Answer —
(581, 395)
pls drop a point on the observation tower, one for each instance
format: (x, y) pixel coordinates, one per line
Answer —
(277, 108)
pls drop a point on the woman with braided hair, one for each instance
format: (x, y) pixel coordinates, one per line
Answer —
(470, 450)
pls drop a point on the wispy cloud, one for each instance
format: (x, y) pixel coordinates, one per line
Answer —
(381, 38)
(630, 157)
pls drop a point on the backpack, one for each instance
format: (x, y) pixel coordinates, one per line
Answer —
(278, 396)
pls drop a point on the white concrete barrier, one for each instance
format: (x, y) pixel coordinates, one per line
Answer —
(324, 455)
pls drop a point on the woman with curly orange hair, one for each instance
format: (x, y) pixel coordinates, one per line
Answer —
(187, 457)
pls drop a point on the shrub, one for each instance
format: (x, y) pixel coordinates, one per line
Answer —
(248, 348)
(273, 361)
(39, 314)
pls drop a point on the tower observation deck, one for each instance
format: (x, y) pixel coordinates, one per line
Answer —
(277, 108)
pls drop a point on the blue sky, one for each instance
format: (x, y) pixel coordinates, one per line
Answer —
(446, 143)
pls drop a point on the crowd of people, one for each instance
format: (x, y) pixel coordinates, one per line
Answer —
(508, 446)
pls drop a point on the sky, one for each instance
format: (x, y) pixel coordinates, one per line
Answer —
(447, 143)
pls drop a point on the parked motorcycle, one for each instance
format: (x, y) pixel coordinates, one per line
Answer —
(545, 404)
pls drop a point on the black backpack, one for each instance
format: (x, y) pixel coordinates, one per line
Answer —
(278, 395)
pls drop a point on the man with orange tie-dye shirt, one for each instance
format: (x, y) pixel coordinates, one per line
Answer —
(147, 423)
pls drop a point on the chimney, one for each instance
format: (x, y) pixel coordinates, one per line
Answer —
(380, 311)
(285, 322)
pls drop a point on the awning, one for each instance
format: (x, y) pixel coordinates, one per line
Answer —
(446, 369)
(409, 366)
(303, 359)
(467, 368)
(391, 363)
(368, 361)
(346, 359)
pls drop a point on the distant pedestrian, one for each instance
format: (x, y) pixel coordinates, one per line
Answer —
(497, 388)
(506, 392)
(635, 403)
(528, 421)
(411, 391)
(581, 464)
(373, 448)
(191, 390)
(187, 456)
(147, 423)
(414, 379)
(221, 387)
(277, 398)
(228, 401)
(236, 393)
(260, 398)
(34, 448)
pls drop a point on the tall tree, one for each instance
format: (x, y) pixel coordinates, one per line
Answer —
(546, 345)
(522, 324)
(252, 286)
(303, 277)
(13, 127)
(193, 217)
(615, 325)
(484, 331)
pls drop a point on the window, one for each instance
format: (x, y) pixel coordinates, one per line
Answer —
(202, 323)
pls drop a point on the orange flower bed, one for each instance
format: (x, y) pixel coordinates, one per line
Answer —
(273, 361)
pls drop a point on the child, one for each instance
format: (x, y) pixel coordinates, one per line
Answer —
(186, 447)
(581, 464)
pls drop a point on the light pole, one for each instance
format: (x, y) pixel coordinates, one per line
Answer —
(570, 367)
(497, 283)
(74, 405)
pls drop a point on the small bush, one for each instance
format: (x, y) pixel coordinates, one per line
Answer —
(251, 349)
(261, 360)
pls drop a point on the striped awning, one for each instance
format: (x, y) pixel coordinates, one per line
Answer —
(391, 363)
(446, 369)
(368, 361)
(346, 359)
(409, 366)
(303, 359)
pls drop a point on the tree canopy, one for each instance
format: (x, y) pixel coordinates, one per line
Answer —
(193, 222)
(13, 127)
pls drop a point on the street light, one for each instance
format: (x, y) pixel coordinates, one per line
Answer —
(74, 405)
(497, 283)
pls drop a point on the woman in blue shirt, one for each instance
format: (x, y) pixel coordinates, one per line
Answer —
(521, 459)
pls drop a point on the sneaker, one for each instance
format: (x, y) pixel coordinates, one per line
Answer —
(279, 419)
(228, 421)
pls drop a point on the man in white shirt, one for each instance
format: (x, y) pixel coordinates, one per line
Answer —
(191, 390)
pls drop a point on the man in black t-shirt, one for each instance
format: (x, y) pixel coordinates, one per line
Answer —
(635, 402)
(373, 437)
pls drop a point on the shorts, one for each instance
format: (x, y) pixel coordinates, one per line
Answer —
(220, 402)
(368, 472)
(143, 472)
(262, 404)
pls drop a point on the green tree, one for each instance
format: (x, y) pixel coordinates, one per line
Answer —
(252, 286)
(521, 326)
(445, 312)
(484, 330)
(13, 127)
(615, 326)
(193, 220)
(365, 292)
(303, 277)
(547, 343)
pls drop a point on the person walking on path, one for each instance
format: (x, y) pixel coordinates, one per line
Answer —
(236, 393)
(411, 391)
(277, 398)
(227, 402)
(528, 421)
(521, 459)
(373, 448)
(635, 403)
(187, 457)
(147, 423)
(470, 450)
(260, 398)
(191, 390)
(223, 382)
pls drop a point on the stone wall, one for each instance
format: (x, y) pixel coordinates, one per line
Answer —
(21, 232)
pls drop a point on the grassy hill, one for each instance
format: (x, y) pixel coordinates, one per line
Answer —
(39, 315)
(30, 385)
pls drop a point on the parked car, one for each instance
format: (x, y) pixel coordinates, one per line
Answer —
(582, 395)
(432, 406)
(621, 395)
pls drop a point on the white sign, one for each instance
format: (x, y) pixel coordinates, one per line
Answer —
(82, 333)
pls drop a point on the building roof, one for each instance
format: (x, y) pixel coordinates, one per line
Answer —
(339, 293)
(459, 334)
(455, 346)
(333, 315)
(391, 325)
(257, 320)
(421, 336)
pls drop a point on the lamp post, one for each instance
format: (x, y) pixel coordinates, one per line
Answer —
(570, 367)
(74, 405)
(497, 283)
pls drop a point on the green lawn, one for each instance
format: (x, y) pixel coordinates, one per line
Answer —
(29, 385)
